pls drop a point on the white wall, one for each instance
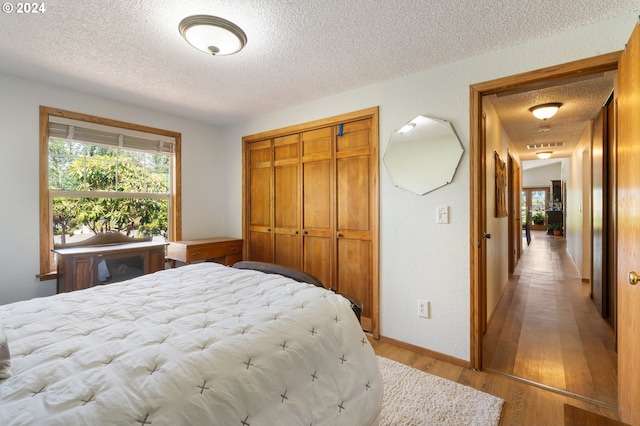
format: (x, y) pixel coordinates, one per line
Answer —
(578, 205)
(419, 258)
(202, 175)
(541, 175)
(497, 140)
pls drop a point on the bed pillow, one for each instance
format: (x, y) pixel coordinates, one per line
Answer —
(5, 358)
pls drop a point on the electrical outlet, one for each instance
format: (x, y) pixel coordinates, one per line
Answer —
(423, 308)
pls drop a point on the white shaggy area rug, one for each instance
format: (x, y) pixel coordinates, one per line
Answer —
(413, 397)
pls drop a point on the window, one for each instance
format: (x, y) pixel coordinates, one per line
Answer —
(100, 175)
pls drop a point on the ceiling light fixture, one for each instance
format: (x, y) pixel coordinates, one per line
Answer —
(545, 111)
(213, 35)
(543, 155)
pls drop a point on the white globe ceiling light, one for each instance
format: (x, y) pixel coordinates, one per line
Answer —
(543, 155)
(545, 111)
(213, 35)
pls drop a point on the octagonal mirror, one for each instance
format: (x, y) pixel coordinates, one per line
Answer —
(423, 155)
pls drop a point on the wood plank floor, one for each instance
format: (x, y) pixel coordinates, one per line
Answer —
(546, 328)
(525, 404)
(546, 345)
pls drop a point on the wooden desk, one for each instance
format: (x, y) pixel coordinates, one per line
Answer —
(220, 249)
(83, 267)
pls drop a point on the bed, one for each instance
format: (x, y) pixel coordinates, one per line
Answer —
(195, 345)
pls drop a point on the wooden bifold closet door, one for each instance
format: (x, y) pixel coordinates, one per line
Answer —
(311, 203)
(286, 201)
(317, 208)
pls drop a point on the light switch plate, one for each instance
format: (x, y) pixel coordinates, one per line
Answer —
(443, 214)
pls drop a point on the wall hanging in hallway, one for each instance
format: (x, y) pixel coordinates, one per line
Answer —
(501, 186)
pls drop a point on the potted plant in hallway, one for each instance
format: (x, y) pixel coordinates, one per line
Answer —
(550, 228)
(538, 218)
(555, 229)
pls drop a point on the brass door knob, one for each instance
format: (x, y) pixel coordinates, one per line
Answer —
(634, 278)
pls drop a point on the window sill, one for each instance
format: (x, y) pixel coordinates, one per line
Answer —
(48, 276)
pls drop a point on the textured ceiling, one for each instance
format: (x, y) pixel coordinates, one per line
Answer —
(581, 100)
(297, 50)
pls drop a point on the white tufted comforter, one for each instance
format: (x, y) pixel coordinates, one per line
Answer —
(203, 344)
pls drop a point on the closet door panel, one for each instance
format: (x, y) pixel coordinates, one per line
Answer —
(354, 274)
(317, 258)
(317, 210)
(353, 194)
(356, 135)
(287, 250)
(355, 178)
(317, 196)
(286, 201)
(287, 217)
(286, 191)
(260, 242)
(317, 144)
(317, 230)
(260, 189)
(260, 247)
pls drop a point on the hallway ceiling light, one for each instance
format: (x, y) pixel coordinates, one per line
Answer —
(545, 111)
(213, 35)
(543, 155)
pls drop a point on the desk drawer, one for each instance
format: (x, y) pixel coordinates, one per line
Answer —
(214, 251)
(220, 249)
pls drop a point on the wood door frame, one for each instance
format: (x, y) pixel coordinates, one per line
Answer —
(477, 169)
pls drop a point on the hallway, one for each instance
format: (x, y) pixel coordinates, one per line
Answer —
(546, 328)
